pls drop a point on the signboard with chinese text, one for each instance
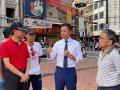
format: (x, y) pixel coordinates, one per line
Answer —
(37, 23)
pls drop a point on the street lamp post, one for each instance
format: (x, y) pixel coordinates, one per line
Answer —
(107, 22)
(106, 26)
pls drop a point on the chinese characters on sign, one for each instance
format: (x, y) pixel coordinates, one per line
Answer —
(37, 23)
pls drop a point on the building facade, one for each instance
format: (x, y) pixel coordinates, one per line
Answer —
(10, 12)
(30, 13)
(95, 16)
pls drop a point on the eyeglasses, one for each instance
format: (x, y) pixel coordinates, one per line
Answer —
(32, 51)
(103, 38)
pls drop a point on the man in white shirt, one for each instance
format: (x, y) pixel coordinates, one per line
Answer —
(35, 52)
(67, 52)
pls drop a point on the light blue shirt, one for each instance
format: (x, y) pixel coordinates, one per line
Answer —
(74, 48)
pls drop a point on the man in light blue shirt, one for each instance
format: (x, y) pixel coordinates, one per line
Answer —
(67, 52)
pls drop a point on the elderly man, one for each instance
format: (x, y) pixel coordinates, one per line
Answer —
(108, 75)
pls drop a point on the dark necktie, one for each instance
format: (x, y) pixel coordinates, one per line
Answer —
(65, 62)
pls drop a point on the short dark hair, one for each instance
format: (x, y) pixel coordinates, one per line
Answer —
(68, 25)
(111, 35)
(7, 32)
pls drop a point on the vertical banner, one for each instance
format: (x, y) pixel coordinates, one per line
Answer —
(81, 24)
(35, 8)
(69, 16)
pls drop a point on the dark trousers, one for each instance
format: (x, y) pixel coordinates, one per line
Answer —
(65, 77)
(12, 82)
(36, 82)
(109, 88)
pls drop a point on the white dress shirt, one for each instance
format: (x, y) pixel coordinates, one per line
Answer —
(74, 48)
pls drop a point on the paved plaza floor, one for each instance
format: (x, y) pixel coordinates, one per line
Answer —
(86, 75)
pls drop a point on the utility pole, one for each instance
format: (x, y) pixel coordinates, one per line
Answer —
(107, 12)
(107, 16)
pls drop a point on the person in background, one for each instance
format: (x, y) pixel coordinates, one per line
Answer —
(35, 52)
(67, 52)
(91, 45)
(42, 41)
(6, 33)
(96, 46)
(108, 74)
(15, 55)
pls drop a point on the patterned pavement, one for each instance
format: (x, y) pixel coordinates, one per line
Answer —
(86, 75)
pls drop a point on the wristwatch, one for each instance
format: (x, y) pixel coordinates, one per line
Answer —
(71, 56)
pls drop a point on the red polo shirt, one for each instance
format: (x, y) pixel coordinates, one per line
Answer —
(17, 54)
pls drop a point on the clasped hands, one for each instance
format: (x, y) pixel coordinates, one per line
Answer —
(24, 77)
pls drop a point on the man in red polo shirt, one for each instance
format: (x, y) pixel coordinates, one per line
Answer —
(16, 58)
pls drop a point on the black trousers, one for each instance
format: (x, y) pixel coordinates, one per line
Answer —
(109, 88)
(36, 81)
(12, 81)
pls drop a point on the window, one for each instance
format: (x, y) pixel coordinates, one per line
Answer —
(101, 15)
(95, 16)
(96, 5)
(10, 12)
(101, 26)
(91, 18)
(95, 27)
(101, 3)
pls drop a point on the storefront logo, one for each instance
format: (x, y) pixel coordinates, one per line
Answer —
(35, 8)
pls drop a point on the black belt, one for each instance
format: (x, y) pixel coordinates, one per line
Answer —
(66, 68)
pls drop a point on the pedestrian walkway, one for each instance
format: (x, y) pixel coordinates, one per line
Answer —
(92, 54)
(86, 72)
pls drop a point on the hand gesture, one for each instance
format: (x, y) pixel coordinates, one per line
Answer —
(24, 78)
(49, 49)
(67, 53)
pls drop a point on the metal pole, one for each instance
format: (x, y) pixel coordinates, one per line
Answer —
(107, 14)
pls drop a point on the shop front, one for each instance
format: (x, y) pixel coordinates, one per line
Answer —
(40, 26)
(46, 30)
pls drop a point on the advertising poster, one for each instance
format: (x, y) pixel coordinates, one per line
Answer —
(35, 8)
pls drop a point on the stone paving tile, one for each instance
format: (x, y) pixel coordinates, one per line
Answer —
(85, 75)
(86, 80)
